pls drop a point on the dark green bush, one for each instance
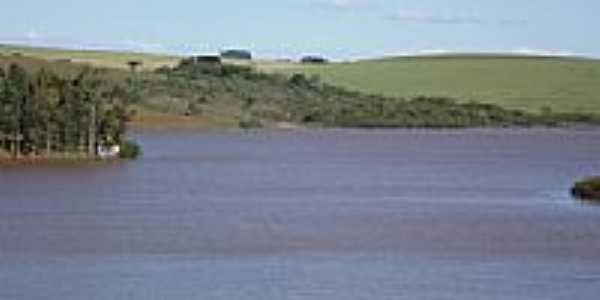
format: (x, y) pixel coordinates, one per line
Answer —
(587, 189)
(130, 150)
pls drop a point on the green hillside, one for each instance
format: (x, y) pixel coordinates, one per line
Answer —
(105, 59)
(516, 82)
(530, 83)
(215, 94)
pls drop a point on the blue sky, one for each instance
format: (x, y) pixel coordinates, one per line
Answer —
(335, 28)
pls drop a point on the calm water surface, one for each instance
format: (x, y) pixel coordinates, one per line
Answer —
(329, 214)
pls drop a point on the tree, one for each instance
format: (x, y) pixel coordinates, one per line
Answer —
(4, 119)
(17, 93)
(47, 112)
(47, 99)
(134, 65)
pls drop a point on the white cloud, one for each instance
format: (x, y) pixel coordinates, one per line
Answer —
(142, 46)
(419, 16)
(447, 18)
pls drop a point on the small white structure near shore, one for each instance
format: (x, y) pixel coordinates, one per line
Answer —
(107, 152)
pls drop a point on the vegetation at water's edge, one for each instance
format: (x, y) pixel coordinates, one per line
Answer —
(130, 149)
(587, 189)
(240, 95)
(522, 82)
(48, 114)
(258, 99)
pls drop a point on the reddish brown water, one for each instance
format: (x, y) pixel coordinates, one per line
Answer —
(336, 214)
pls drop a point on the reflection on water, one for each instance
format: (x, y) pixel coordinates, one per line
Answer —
(330, 214)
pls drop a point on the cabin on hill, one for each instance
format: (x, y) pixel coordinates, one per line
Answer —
(202, 60)
(239, 54)
(203, 63)
(313, 59)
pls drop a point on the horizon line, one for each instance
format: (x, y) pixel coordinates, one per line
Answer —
(424, 53)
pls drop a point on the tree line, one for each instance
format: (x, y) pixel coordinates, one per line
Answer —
(259, 99)
(43, 113)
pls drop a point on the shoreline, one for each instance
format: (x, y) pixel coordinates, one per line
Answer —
(164, 121)
(169, 123)
(53, 160)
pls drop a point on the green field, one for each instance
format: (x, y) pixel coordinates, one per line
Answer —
(530, 83)
(105, 59)
(520, 82)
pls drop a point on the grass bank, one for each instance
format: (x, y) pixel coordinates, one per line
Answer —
(515, 82)
(102, 59)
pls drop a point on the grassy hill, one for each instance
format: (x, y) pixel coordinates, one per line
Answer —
(515, 82)
(529, 83)
(229, 95)
(104, 59)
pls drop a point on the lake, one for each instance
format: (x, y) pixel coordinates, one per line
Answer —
(309, 214)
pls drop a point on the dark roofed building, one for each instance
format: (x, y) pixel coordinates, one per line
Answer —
(313, 59)
(236, 54)
(202, 59)
(203, 63)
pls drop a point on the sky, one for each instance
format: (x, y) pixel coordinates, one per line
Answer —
(338, 29)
